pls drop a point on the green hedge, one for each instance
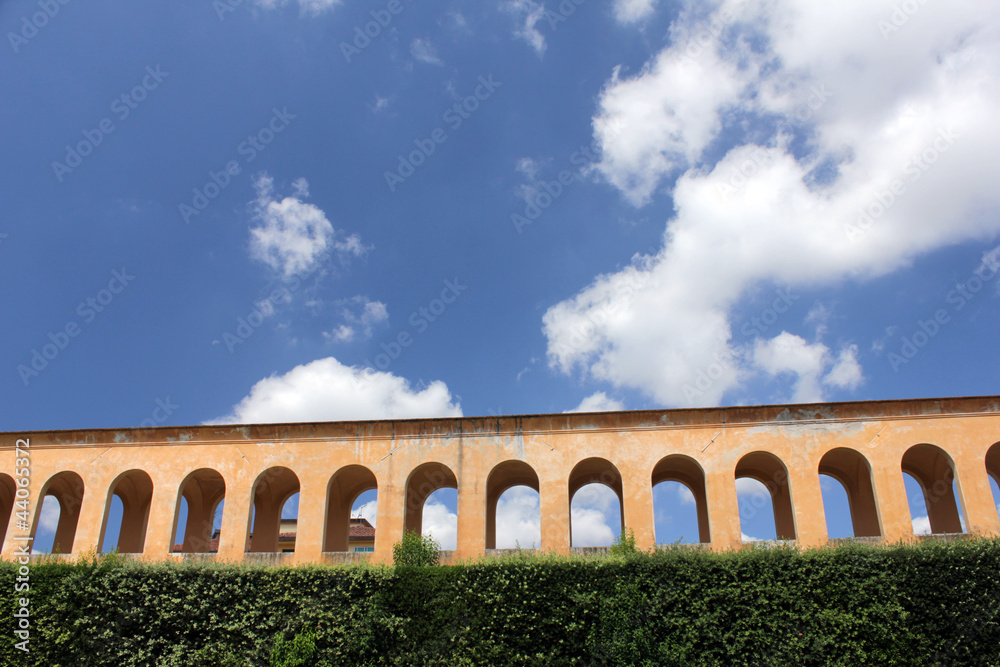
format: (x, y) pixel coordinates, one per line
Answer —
(927, 604)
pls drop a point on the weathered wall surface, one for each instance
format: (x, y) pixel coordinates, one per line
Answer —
(865, 445)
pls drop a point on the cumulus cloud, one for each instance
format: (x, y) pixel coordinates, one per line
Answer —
(633, 11)
(593, 511)
(598, 402)
(791, 354)
(853, 149)
(528, 13)
(440, 523)
(424, 51)
(326, 390)
(519, 519)
(293, 237)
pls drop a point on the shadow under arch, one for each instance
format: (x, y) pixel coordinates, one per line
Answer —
(687, 471)
(134, 489)
(504, 476)
(934, 471)
(68, 489)
(203, 490)
(424, 480)
(595, 470)
(852, 469)
(770, 471)
(344, 488)
(8, 494)
(270, 491)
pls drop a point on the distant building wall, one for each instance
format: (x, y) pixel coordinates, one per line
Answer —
(866, 446)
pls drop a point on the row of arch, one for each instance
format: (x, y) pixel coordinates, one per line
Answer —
(204, 490)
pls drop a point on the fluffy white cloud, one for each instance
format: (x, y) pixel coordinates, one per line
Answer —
(307, 7)
(326, 390)
(424, 51)
(593, 511)
(294, 237)
(894, 142)
(921, 525)
(788, 353)
(528, 13)
(440, 523)
(633, 11)
(598, 402)
(519, 519)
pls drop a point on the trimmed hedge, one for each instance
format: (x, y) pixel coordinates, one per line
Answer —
(931, 603)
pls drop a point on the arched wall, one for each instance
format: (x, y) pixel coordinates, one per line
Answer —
(135, 490)
(8, 492)
(865, 446)
(851, 469)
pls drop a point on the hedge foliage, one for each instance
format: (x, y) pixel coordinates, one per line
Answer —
(926, 604)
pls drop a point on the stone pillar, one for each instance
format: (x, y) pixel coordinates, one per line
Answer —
(723, 508)
(310, 521)
(235, 517)
(893, 506)
(553, 496)
(391, 513)
(637, 506)
(471, 516)
(807, 507)
(162, 519)
(977, 497)
(86, 519)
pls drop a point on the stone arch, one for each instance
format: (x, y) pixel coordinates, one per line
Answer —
(67, 488)
(134, 489)
(8, 494)
(422, 482)
(344, 488)
(769, 470)
(934, 471)
(270, 491)
(203, 490)
(687, 471)
(595, 470)
(852, 470)
(993, 462)
(504, 476)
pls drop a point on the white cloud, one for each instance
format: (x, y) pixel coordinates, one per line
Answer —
(360, 315)
(518, 519)
(529, 13)
(326, 390)
(48, 516)
(748, 538)
(368, 511)
(598, 402)
(684, 495)
(424, 51)
(440, 523)
(593, 511)
(921, 525)
(748, 486)
(306, 7)
(863, 106)
(293, 237)
(787, 353)
(634, 11)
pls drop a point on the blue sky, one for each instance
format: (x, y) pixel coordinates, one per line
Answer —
(226, 211)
